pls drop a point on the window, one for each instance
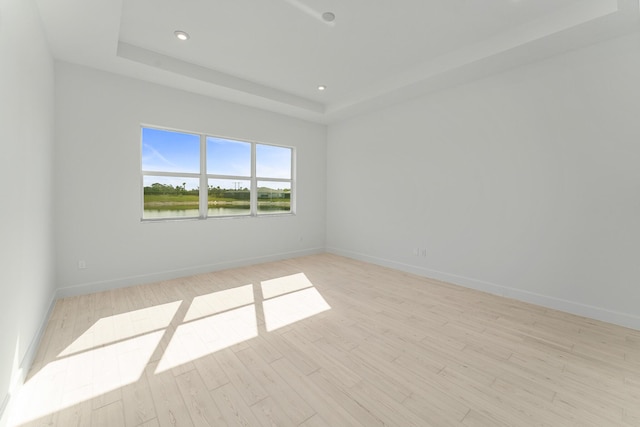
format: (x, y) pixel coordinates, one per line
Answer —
(186, 175)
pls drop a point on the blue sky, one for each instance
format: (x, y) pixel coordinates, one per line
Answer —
(169, 151)
(225, 157)
(273, 162)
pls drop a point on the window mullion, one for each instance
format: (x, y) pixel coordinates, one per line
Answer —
(292, 189)
(254, 182)
(179, 174)
(204, 183)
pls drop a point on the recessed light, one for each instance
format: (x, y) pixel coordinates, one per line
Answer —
(181, 35)
(322, 87)
(328, 16)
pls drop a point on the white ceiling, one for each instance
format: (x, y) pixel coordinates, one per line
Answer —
(273, 54)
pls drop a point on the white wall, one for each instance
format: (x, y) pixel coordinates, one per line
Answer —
(26, 141)
(525, 184)
(97, 170)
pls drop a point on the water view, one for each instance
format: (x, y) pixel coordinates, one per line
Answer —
(235, 173)
(212, 212)
(168, 201)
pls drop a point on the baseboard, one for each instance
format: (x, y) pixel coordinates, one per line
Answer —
(123, 282)
(592, 312)
(25, 364)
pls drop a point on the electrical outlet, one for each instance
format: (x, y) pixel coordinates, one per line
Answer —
(82, 264)
(424, 252)
(416, 252)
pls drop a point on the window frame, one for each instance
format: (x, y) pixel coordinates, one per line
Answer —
(203, 178)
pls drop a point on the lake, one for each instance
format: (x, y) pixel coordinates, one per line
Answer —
(212, 212)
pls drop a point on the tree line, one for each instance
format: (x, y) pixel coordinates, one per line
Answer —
(215, 192)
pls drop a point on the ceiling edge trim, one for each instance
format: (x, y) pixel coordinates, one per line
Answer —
(614, 24)
(164, 62)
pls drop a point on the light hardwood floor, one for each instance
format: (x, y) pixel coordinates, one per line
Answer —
(325, 341)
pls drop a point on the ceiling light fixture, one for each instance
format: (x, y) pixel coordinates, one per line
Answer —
(181, 35)
(328, 16)
(321, 87)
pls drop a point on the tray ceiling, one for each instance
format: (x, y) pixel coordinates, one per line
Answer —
(273, 54)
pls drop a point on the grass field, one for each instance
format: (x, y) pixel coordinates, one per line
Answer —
(188, 201)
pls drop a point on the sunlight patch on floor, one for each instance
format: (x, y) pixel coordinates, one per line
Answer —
(114, 351)
(214, 321)
(83, 376)
(217, 302)
(199, 338)
(123, 326)
(290, 308)
(284, 285)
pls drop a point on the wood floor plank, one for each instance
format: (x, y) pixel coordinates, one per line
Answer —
(75, 416)
(269, 413)
(436, 409)
(170, 407)
(233, 408)
(151, 423)
(328, 406)
(324, 354)
(211, 372)
(384, 407)
(293, 354)
(138, 403)
(476, 419)
(204, 412)
(284, 395)
(244, 381)
(315, 421)
(108, 416)
(266, 350)
(393, 349)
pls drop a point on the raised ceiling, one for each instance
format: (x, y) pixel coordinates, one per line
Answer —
(273, 54)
